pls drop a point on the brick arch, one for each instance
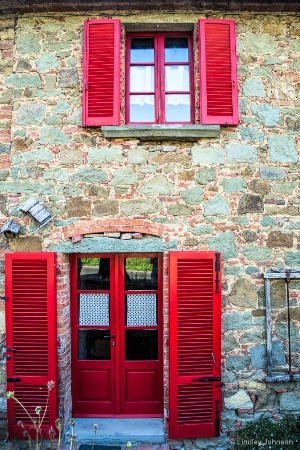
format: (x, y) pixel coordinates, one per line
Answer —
(112, 225)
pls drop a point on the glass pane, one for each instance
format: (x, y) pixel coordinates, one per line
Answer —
(177, 78)
(142, 50)
(141, 310)
(141, 344)
(141, 274)
(141, 78)
(176, 49)
(178, 108)
(93, 345)
(142, 108)
(93, 309)
(93, 273)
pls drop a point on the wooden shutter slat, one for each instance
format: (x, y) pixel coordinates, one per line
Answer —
(30, 281)
(195, 335)
(101, 68)
(218, 72)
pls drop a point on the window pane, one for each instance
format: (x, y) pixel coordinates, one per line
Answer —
(93, 273)
(141, 78)
(142, 108)
(176, 49)
(178, 108)
(141, 344)
(141, 310)
(141, 274)
(92, 344)
(177, 78)
(142, 50)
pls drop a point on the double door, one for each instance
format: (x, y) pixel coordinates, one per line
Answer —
(117, 333)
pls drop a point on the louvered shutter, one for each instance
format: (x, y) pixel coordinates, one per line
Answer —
(101, 69)
(218, 72)
(195, 344)
(30, 282)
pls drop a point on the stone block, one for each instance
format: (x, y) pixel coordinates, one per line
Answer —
(124, 177)
(254, 87)
(62, 107)
(5, 149)
(71, 156)
(260, 187)
(78, 207)
(265, 44)
(249, 236)
(137, 156)
(24, 80)
(234, 184)
(68, 78)
(258, 355)
(89, 175)
(51, 135)
(267, 221)
(107, 208)
(290, 401)
(279, 239)
(229, 343)
(27, 187)
(293, 259)
(251, 337)
(250, 203)
(201, 229)
(105, 155)
(243, 294)
(207, 155)
(237, 321)
(157, 186)
(224, 242)
(126, 236)
(251, 134)
(272, 173)
(239, 400)
(217, 206)
(282, 148)
(26, 244)
(204, 176)
(241, 153)
(192, 196)
(30, 114)
(265, 114)
(237, 362)
(179, 210)
(141, 207)
(28, 42)
(256, 253)
(46, 62)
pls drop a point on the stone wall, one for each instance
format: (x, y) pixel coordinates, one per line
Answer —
(238, 193)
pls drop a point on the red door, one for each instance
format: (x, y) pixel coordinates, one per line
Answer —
(31, 343)
(117, 335)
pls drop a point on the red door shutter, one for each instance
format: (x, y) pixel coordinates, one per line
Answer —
(30, 280)
(101, 69)
(195, 344)
(218, 73)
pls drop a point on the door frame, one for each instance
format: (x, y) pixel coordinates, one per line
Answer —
(116, 290)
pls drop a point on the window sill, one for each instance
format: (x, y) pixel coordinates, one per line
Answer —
(161, 132)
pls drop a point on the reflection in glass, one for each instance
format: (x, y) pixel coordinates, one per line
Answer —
(93, 273)
(141, 344)
(141, 78)
(93, 309)
(142, 50)
(142, 108)
(141, 274)
(178, 108)
(177, 78)
(141, 310)
(93, 345)
(176, 49)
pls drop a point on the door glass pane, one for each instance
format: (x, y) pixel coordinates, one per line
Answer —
(141, 274)
(93, 309)
(178, 108)
(93, 345)
(93, 273)
(141, 309)
(141, 344)
(176, 49)
(142, 50)
(177, 78)
(142, 108)
(141, 78)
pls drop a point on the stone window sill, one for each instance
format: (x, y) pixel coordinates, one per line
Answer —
(162, 132)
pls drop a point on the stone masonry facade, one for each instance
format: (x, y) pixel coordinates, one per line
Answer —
(238, 193)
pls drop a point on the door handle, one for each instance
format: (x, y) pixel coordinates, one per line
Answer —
(112, 336)
(206, 379)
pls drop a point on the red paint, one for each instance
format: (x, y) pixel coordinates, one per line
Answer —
(116, 387)
(218, 72)
(159, 75)
(195, 335)
(101, 73)
(30, 309)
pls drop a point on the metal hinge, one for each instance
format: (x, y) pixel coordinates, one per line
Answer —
(13, 380)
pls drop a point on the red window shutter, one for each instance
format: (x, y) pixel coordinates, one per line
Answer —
(101, 70)
(30, 310)
(218, 72)
(195, 344)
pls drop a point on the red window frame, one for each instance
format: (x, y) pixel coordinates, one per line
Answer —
(159, 76)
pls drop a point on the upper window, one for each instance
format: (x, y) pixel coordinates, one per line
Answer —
(160, 87)
(159, 74)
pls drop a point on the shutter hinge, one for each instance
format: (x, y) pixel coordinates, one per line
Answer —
(217, 269)
(3, 298)
(13, 380)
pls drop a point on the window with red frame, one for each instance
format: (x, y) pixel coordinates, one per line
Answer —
(159, 78)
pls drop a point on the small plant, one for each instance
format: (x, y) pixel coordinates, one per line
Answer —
(36, 422)
(268, 434)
